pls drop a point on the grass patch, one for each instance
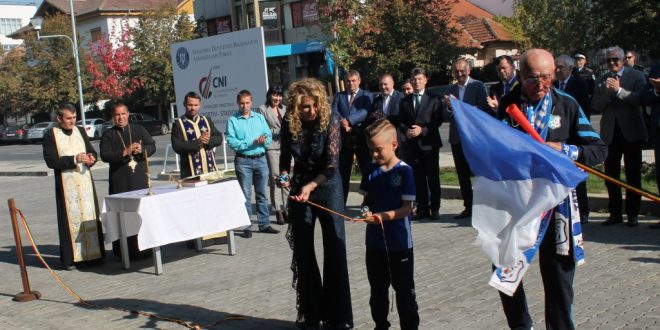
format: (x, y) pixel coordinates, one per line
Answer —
(595, 185)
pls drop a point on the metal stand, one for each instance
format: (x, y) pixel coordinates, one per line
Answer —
(27, 294)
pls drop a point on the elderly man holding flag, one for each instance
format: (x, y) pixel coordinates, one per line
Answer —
(524, 198)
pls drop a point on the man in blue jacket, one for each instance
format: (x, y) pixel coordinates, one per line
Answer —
(352, 105)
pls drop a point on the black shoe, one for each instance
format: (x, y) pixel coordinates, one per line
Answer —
(655, 225)
(633, 221)
(435, 215)
(465, 214)
(279, 217)
(584, 219)
(612, 221)
(269, 230)
(421, 215)
(247, 234)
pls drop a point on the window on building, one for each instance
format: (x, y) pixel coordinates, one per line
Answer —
(304, 13)
(9, 25)
(95, 34)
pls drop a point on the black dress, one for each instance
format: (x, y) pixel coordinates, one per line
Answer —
(316, 155)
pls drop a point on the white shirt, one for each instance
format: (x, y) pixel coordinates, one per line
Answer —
(461, 88)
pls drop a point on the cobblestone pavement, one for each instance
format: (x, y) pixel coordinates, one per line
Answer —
(618, 288)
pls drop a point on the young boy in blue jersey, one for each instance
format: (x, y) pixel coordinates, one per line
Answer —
(389, 191)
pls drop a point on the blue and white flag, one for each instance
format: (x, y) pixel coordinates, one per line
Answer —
(518, 181)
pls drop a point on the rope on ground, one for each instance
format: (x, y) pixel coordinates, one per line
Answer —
(187, 324)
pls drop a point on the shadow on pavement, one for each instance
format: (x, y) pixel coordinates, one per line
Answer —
(206, 318)
(50, 253)
(639, 239)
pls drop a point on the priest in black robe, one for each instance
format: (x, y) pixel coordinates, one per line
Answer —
(67, 151)
(193, 137)
(123, 147)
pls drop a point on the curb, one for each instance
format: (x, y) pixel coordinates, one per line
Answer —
(26, 173)
(597, 202)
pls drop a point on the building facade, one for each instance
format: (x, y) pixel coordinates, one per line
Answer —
(13, 16)
(292, 34)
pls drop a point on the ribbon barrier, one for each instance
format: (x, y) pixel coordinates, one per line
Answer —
(28, 295)
(517, 115)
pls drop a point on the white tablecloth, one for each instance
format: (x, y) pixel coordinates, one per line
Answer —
(174, 215)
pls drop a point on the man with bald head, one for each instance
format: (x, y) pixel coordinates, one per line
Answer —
(558, 120)
(617, 97)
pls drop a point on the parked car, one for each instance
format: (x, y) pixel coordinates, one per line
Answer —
(93, 127)
(14, 134)
(153, 125)
(36, 133)
(108, 125)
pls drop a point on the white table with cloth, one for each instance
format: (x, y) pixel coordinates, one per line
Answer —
(172, 215)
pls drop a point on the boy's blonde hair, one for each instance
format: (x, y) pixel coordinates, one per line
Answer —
(381, 128)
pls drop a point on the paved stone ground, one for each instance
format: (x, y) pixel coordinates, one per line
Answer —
(618, 288)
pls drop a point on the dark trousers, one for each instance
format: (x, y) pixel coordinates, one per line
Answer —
(583, 200)
(353, 143)
(328, 299)
(656, 153)
(463, 171)
(557, 273)
(401, 266)
(632, 158)
(426, 168)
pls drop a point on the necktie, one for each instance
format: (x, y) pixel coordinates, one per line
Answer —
(387, 101)
(418, 100)
(562, 86)
(506, 88)
(351, 97)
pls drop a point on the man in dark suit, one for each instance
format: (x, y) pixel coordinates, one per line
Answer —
(577, 88)
(353, 106)
(651, 98)
(617, 96)
(472, 92)
(420, 115)
(506, 71)
(386, 104)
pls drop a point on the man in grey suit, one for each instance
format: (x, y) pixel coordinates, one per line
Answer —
(617, 97)
(472, 92)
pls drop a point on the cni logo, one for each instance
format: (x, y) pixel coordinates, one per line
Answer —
(182, 58)
(210, 81)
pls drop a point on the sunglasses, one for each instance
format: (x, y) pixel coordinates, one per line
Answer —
(612, 60)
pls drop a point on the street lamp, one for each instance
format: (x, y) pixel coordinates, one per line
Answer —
(36, 24)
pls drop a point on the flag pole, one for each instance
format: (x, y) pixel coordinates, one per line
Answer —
(517, 115)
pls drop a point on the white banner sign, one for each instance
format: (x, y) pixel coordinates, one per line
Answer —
(217, 68)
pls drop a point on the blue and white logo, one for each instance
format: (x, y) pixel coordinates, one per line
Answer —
(182, 58)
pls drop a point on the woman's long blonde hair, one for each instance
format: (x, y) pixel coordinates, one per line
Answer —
(297, 91)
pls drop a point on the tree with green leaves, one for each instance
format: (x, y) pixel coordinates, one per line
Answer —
(377, 36)
(564, 26)
(155, 32)
(45, 74)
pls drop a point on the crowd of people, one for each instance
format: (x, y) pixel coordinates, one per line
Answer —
(302, 152)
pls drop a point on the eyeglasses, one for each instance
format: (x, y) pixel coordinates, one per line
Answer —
(537, 79)
(612, 60)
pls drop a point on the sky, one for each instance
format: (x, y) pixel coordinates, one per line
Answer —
(497, 7)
